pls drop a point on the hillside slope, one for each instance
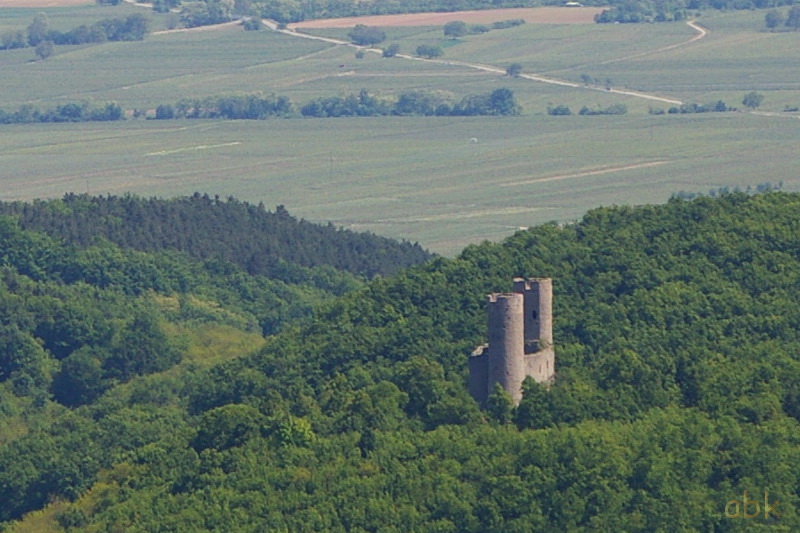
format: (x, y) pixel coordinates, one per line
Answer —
(260, 241)
(678, 389)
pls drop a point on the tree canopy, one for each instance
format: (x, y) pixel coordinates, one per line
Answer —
(752, 100)
(366, 35)
(455, 29)
(269, 243)
(676, 334)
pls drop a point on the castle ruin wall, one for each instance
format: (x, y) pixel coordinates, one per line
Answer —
(520, 344)
(506, 343)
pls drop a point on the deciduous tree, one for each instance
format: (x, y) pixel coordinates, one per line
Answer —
(14, 39)
(391, 50)
(363, 35)
(773, 19)
(44, 49)
(793, 20)
(37, 30)
(455, 29)
(429, 51)
(514, 70)
(752, 100)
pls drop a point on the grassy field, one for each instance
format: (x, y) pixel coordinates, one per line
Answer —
(417, 178)
(66, 17)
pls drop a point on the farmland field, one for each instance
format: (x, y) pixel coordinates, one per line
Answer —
(62, 15)
(444, 182)
(419, 178)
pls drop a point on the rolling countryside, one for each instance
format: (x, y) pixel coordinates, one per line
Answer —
(264, 268)
(444, 182)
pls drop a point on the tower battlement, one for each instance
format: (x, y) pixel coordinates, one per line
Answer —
(520, 340)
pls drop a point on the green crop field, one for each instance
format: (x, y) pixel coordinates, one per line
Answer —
(66, 18)
(419, 178)
(444, 182)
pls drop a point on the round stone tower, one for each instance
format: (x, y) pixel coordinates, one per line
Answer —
(538, 294)
(506, 343)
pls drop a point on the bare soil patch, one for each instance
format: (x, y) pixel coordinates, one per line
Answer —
(531, 15)
(44, 3)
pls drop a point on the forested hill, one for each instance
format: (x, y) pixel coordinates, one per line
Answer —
(677, 334)
(260, 241)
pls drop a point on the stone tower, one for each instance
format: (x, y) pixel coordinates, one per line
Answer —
(520, 340)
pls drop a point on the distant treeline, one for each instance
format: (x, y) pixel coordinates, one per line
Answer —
(234, 107)
(260, 241)
(72, 112)
(363, 104)
(716, 107)
(131, 28)
(255, 107)
(620, 109)
(644, 11)
(764, 187)
(498, 102)
(631, 11)
(563, 110)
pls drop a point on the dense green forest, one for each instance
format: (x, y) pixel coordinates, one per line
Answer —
(274, 244)
(77, 320)
(677, 336)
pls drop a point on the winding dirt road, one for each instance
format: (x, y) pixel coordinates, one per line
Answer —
(701, 33)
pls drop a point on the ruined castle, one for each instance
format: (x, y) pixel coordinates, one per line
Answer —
(520, 340)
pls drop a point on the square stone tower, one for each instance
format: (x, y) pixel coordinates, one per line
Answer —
(520, 340)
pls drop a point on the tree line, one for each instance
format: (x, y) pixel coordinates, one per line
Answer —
(639, 11)
(500, 102)
(497, 102)
(267, 242)
(763, 187)
(563, 110)
(715, 107)
(72, 112)
(258, 107)
(243, 107)
(751, 100)
(134, 27)
(791, 20)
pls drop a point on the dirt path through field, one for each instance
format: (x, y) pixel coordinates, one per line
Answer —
(545, 15)
(701, 33)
